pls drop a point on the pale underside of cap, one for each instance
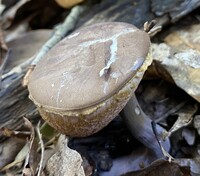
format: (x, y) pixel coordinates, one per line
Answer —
(88, 66)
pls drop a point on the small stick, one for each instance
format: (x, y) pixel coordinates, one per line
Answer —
(42, 149)
(151, 28)
(27, 75)
(149, 25)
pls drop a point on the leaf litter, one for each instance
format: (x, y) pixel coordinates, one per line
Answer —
(171, 97)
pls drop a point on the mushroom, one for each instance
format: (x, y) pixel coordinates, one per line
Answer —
(85, 80)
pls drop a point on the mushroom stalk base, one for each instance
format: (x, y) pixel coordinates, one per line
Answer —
(140, 126)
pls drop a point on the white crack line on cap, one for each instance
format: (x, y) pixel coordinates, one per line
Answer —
(105, 88)
(113, 50)
(113, 47)
(65, 75)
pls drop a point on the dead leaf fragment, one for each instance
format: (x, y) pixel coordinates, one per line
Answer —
(9, 149)
(19, 159)
(159, 167)
(65, 161)
(185, 38)
(179, 58)
(183, 70)
(32, 158)
(185, 116)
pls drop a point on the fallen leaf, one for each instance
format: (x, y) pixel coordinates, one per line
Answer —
(185, 37)
(18, 134)
(8, 150)
(65, 161)
(160, 168)
(32, 158)
(19, 159)
(171, 66)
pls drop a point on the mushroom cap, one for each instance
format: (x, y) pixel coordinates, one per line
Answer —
(88, 66)
(86, 79)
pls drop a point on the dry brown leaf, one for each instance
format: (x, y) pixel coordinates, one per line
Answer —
(160, 168)
(19, 159)
(18, 134)
(65, 161)
(186, 38)
(9, 149)
(182, 66)
(32, 159)
(178, 60)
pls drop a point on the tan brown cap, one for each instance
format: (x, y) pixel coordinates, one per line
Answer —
(88, 66)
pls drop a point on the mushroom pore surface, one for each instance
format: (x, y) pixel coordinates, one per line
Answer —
(86, 79)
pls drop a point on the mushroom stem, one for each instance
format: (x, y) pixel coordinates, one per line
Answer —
(140, 126)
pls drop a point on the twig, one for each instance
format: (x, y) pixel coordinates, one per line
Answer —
(151, 28)
(19, 69)
(149, 25)
(67, 26)
(42, 149)
(26, 77)
(52, 140)
(30, 143)
(12, 133)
